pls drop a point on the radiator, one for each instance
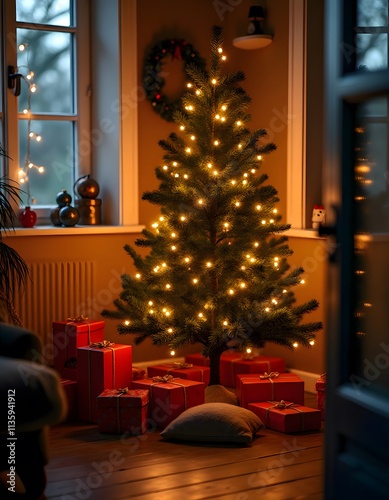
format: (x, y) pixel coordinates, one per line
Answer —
(54, 292)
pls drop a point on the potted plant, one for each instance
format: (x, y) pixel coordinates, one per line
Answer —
(13, 269)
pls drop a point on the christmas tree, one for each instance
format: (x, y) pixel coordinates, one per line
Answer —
(216, 273)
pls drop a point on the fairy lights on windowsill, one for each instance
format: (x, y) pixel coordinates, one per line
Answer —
(24, 171)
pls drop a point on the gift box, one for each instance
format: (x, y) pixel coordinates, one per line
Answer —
(103, 365)
(197, 359)
(70, 389)
(287, 417)
(320, 387)
(170, 396)
(123, 411)
(138, 373)
(273, 386)
(67, 337)
(181, 370)
(233, 364)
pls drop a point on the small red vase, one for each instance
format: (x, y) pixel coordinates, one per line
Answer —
(27, 217)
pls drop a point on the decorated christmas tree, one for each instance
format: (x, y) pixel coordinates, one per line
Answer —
(216, 272)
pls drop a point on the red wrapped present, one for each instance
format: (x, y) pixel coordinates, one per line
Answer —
(70, 390)
(102, 365)
(232, 364)
(138, 373)
(286, 417)
(320, 387)
(67, 337)
(273, 386)
(123, 410)
(170, 396)
(181, 370)
(197, 359)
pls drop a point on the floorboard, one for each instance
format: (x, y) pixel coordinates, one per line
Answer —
(86, 464)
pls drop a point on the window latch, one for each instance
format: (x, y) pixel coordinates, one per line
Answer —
(14, 79)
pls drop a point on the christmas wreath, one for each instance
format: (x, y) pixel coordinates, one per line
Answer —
(153, 82)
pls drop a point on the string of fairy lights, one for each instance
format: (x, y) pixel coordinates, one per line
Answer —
(24, 171)
(161, 227)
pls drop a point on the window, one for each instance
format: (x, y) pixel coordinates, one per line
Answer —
(48, 107)
(305, 113)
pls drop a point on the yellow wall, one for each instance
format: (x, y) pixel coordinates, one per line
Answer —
(266, 82)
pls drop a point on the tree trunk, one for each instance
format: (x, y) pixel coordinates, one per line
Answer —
(214, 364)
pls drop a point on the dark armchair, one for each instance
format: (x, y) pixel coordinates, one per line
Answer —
(31, 399)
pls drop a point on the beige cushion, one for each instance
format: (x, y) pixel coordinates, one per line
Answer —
(214, 423)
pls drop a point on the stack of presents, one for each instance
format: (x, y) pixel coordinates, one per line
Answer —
(103, 387)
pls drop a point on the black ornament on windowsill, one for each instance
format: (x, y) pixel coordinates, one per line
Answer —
(64, 214)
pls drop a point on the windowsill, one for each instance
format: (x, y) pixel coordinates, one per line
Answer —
(101, 229)
(304, 233)
(74, 231)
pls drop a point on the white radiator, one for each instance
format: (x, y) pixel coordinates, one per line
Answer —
(54, 292)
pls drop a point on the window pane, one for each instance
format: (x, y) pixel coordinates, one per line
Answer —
(54, 153)
(56, 12)
(372, 51)
(372, 13)
(48, 56)
(375, 107)
(370, 262)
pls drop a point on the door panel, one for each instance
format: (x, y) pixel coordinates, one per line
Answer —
(356, 184)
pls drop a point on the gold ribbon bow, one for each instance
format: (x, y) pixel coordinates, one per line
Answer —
(165, 379)
(104, 343)
(123, 391)
(269, 375)
(178, 365)
(79, 318)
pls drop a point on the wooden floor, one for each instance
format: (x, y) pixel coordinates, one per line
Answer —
(88, 465)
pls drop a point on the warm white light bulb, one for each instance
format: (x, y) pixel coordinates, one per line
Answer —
(312, 342)
(295, 344)
(216, 143)
(126, 323)
(214, 81)
(172, 353)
